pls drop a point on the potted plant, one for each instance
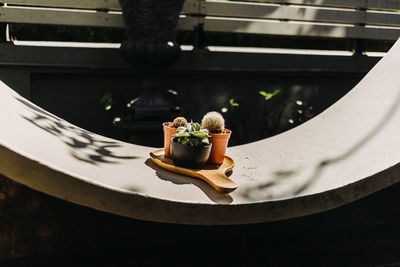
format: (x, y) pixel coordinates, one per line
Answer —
(169, 129)
(215, 124)
(190, 146)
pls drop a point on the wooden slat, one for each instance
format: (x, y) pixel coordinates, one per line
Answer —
(60, 17)
(246, 10)
(296, 29)
(190, 6)
(73, 18)
(368, 4)
(104, 19)
(84, 4)
(262, 11)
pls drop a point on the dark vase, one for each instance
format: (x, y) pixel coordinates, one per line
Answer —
(150, 33)
(189, 157)
(150, 48)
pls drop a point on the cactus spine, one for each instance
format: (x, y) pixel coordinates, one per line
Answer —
(214, 122)
(179, 122)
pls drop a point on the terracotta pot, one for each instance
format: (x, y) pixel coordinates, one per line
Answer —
(168, 132)
(219, 144)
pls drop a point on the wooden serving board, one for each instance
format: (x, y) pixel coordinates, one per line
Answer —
(214, 175)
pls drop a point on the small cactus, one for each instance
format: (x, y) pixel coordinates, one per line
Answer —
(214, 122)
(179, 122)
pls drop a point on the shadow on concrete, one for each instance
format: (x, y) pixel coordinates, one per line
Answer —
(177, 179)
(84, 145)
(281, 176)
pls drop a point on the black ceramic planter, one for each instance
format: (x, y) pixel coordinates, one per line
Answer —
(150, 33)
(189, 157)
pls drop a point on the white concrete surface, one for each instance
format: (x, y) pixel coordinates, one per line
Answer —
(347, 152)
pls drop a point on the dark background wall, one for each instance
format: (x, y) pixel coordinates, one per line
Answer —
(76, 98)
(70, 82)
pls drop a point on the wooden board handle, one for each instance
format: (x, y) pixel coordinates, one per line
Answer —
(218, 180)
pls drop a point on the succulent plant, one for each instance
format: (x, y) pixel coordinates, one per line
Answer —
(214, 122)
(192, 135)
(179, 122)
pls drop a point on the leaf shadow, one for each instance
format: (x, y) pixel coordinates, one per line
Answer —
(267, 188)
(84, 145)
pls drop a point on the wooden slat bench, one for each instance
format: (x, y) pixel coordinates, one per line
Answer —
(375, 20)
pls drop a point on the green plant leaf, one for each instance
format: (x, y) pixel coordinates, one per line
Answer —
(194, 141)
(233, 103)
(192, 135)
(263, 93)
(196, 127)
(183, 141)
(200, 134)
(182, 134)
(267, 95)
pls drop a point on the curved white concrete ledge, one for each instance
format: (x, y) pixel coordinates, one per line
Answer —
(349, 151)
